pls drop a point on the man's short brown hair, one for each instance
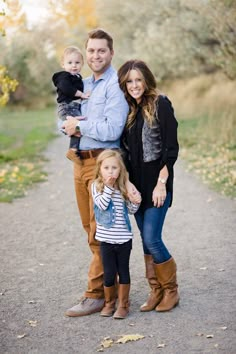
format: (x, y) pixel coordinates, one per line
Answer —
(99, 33)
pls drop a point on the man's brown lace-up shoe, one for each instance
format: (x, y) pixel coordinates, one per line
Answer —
(86, 306)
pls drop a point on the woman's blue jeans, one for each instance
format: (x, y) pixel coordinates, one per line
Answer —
(150, 223)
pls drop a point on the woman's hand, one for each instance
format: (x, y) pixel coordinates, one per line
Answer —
(159, 195)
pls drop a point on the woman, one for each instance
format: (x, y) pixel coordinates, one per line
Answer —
(150, 151)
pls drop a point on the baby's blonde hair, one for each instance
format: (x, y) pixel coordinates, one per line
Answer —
(70, 50)
(121, 180)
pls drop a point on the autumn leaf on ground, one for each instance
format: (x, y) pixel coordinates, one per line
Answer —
(129, 337)
(161, 345)
(33, 323)
(107, 342)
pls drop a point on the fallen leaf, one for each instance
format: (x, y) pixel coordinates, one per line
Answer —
(209, 335)
(20, 336)
(107, 342)
(161, 345)
(129, 337)
(33, 323)
(224, 328)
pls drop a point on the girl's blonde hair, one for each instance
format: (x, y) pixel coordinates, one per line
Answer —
(150, 95)
(121, 180)
(70, 50)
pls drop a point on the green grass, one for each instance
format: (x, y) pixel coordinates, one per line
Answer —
(208, 156)
(23, 138)
(25, 135)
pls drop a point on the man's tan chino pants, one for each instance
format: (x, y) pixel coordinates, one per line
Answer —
(83, 178)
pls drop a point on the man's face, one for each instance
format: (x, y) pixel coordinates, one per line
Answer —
(99, 55)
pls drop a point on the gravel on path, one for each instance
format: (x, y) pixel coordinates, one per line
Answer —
(44, 262)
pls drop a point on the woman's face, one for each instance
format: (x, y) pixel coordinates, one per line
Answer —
(135, 85)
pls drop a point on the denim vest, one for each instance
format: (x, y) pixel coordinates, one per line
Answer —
(107, 218)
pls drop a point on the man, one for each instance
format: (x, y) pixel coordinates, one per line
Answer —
(105, 114)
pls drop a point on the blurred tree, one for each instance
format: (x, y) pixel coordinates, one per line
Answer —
(72, 19)
(28, 56)
(11, 18)
(176, 37)
(34, 54)
(75, 13)
(7, 85)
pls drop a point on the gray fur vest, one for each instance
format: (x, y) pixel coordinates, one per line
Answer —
(151, 139)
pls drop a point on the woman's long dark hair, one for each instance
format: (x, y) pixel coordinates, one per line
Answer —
(150, 95)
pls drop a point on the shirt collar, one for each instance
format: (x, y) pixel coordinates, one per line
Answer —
(105, 75)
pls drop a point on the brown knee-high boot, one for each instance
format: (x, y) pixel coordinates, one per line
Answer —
(166, 273)
(123, 301)
(156, 293)
(110, 301)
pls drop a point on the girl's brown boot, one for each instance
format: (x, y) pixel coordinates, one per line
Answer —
(123, 302)
(110, 301)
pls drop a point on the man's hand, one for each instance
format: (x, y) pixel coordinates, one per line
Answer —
(70, 125)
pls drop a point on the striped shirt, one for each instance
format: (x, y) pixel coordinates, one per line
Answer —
(119, 232)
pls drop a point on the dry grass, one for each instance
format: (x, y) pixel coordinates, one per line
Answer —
(206, 109)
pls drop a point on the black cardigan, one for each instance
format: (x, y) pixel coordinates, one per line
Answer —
(169, 154)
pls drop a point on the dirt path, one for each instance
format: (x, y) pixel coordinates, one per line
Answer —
(44, 260)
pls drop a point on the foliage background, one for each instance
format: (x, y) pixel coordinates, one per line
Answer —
(189, 45)
(177, 38)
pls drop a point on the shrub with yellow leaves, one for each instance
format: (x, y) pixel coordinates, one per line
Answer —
(7, 85)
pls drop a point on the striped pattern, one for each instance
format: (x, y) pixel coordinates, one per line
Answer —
(118, 233)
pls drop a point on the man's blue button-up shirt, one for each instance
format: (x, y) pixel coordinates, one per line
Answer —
(106, 111)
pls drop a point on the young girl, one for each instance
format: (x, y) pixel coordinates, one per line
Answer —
(111, 206)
